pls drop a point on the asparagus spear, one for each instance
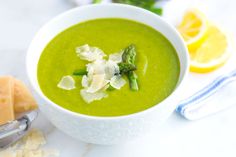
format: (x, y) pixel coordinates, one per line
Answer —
(129, 54)
(126, 67)
(129, 57)
(80, 72)
(133, 80)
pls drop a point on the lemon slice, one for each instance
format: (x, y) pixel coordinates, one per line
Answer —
(212, 53)
(193, 28)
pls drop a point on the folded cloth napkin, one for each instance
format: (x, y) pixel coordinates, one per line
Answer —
(218, 95)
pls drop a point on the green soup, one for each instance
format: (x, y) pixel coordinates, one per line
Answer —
(157, 66)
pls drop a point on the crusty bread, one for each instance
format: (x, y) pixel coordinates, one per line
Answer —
(23, 99)
(6, 99)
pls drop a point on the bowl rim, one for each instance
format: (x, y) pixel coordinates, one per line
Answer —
(132, 115)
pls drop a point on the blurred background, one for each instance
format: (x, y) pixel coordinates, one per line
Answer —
(20, 19)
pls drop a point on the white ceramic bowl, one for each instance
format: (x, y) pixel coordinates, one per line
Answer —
(105, 130)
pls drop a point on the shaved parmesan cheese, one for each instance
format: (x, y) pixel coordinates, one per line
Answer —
(104, 84)
(30, 146)
(116, 57)
(90, 97)
(105, 87)
(101, 73)
(96, 67)
(117, 82)
(111, 68)
(35, 153)
(83, 48)
(34, 140)
(85, 81)
(50, 153)
(89, 53)
(97, 83)
(67, 83)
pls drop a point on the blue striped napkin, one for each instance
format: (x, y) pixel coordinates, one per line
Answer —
(211, 99)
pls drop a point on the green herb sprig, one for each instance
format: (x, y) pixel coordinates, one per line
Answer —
(146, 4)
(97, 1)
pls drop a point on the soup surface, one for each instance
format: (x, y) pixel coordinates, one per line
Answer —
(157, 66)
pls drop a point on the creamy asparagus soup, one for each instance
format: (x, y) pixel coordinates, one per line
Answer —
(108, 67)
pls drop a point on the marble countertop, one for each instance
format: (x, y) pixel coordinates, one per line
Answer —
(211, 136)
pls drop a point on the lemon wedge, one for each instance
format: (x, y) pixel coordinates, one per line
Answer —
(212, 53)
(208, 46)
(193, 28)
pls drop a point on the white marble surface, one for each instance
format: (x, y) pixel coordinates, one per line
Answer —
(211, 136)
